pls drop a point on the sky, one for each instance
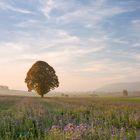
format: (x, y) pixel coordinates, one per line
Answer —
(89, 43)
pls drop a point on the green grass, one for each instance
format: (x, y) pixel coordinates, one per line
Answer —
(106, 118)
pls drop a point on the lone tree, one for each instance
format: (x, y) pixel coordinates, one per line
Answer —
(125, 92)
(41, 78)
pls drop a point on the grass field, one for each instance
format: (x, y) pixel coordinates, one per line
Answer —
(89, 118)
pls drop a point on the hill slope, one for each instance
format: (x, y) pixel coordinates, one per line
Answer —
(15, 92)
(118, 87)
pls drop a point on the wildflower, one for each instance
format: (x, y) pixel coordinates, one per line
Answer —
(113, 133)
(122, 130)
(74, 132)
(55, 130)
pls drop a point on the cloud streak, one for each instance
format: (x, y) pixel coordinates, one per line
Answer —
(89, 43)
(5, 6)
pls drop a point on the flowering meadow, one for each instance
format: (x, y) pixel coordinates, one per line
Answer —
(67, 118)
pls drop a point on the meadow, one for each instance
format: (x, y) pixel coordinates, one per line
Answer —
(69, 118)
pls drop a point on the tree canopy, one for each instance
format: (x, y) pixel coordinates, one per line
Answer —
(41, 78)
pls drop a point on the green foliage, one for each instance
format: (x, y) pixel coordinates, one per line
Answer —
(41, 78)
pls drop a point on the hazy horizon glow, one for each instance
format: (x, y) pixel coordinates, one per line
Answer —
(89, 43)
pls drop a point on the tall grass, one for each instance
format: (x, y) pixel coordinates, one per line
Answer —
(23, 118)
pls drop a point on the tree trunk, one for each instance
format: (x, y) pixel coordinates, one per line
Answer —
(42, 96)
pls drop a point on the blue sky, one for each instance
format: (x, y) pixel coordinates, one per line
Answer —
(89, 42)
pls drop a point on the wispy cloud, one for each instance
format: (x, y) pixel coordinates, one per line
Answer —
(89, 43)
(6, 6)
(47, 7)
(90, 15)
